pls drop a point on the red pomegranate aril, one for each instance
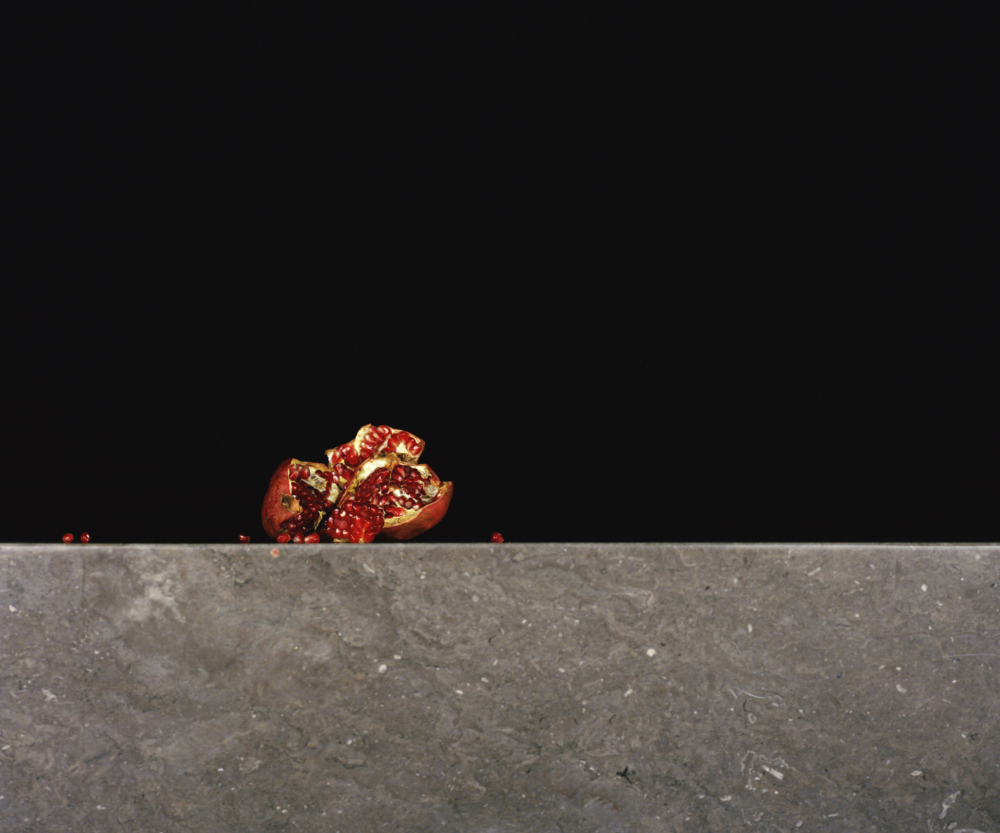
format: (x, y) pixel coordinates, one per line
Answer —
(313, 538)
(311, 503)
(405, 445)
(68, 538)
(355, 522)
(497, 538)
(85, 538)
(402, 487)
(284, 538)
(373, 440)
(329, 478)
(341, 474)
(244, 539)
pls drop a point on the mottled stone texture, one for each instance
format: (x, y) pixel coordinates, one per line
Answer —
(499, 688)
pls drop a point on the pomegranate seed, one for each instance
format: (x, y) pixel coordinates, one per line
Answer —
(68, 538)
(497, 538)
(284, 538)
(244, 539)
(354, 522)
(312, 538)
(85, 538)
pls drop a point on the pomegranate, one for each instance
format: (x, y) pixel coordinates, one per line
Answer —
(372, 487)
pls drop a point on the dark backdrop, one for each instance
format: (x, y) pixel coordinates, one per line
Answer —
(709, 297)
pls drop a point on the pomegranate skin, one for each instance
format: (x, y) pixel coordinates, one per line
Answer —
(279, 505)
(411, 525)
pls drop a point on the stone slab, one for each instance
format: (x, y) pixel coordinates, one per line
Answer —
(500, 688)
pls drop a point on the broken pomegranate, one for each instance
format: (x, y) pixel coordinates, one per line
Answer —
(297, 498)
(373, 441)
(411, 497)
(372, 487)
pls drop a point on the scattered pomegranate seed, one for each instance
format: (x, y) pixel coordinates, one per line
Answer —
(68, 538)
(284, 538)
(275, 552)
(313, 538)
(85, 538)
(244, 539)
(497, 538)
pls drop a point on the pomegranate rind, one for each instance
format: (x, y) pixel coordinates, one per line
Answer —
(418, 521)
(276, 508)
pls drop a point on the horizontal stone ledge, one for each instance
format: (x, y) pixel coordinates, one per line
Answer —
(510, 687)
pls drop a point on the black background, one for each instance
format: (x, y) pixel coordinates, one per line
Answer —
(633, 286)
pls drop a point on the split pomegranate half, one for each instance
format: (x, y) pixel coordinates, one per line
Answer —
(372, 487)
(298, 496)
(412, 498)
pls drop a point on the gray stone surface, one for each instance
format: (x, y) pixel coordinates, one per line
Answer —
(499, 688)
